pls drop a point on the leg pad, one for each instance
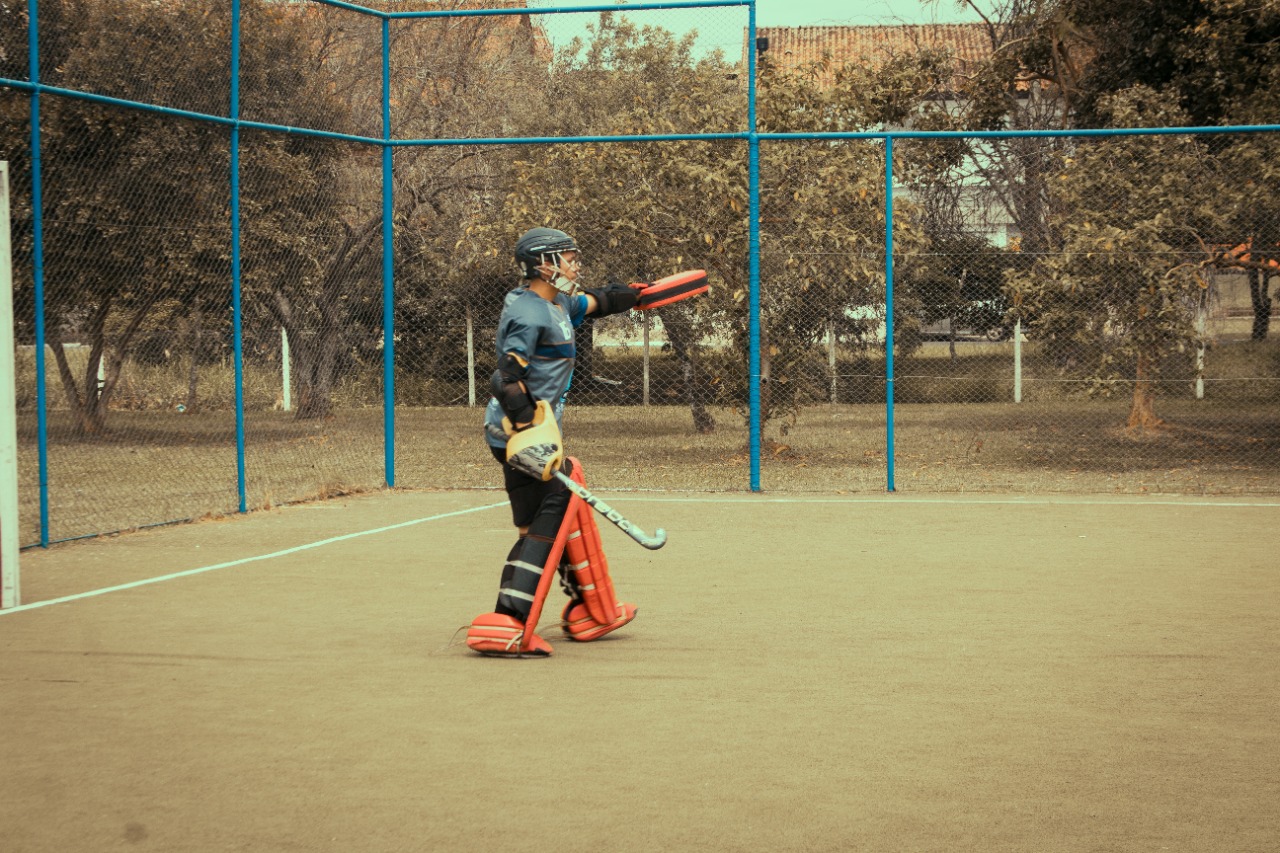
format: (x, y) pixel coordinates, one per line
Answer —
(582, 627)
(499, 634)
(598, 611)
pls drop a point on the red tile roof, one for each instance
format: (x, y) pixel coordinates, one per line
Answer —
(795, 48)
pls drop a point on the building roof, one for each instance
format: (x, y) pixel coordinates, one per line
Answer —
(796, 48)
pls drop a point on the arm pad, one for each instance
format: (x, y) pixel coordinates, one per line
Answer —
(614, 298)
(510, 391)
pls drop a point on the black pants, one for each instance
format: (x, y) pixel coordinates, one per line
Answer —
(541, 507)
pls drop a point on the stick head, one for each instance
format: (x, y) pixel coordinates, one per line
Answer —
(654, 542)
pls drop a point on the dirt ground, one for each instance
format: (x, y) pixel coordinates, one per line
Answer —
(805, 673)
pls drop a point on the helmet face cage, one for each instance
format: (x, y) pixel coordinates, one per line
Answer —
(542, 246)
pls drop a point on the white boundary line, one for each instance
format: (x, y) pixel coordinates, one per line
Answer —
(189, 572)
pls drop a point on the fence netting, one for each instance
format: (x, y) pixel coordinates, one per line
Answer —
(1086, 313)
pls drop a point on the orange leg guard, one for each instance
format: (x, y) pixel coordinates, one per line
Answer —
(599, 612)
(499, 634)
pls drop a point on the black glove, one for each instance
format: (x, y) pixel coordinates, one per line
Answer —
(614, 298)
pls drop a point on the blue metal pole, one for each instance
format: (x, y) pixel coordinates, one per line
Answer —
(351, 7)
(888, 308)
(236, 318)
(568, 140)
(37, 264)
(388, 272)
(753, 250)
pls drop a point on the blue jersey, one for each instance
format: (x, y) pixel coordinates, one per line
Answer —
(541, 333)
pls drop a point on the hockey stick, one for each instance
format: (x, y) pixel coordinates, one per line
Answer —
(653, 542)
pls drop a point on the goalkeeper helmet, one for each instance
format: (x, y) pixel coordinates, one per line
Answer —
(539, 248)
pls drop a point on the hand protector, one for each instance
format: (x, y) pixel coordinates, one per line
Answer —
(673, 288)
(536, 450)
(613, 298)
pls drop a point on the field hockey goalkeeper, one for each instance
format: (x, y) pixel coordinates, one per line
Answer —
(557, 534)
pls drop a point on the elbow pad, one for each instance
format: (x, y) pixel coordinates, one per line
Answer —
(614, 298)
(510, 391)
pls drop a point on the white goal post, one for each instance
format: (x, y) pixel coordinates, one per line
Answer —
(9, 595)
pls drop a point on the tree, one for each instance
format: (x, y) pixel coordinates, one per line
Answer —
(640, 210)
(452, 78)
(137, 207)
(1251, 165)
(822, 218)
(1216, 60)
(1210, 56)
(1136, 219)
(110, 176)
(1251, 240)
(1212, 59)
(1028, 81)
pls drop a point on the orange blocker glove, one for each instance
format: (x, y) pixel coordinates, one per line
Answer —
(672, 288)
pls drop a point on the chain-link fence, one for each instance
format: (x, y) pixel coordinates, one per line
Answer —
(209, 298)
